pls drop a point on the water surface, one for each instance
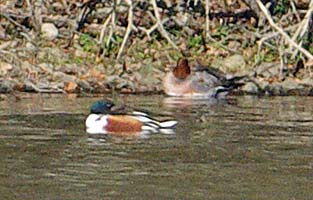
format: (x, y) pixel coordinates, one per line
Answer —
(250, 148)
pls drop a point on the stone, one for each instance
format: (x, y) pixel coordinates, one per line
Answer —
(60, 76)
(5, 68)
(250, 88)
(46, 68)
(291, 84)
(71, 69)
(79, 53)
(268, 70)
(84, 85)
(3, 97)
(70, 87)
(49, 31)
(31, 47)
(307, 81)
(292, 87)
(234, 63)
(231, 64)
(6, 86)
(30, 87)
(3, 35)
(274, 89)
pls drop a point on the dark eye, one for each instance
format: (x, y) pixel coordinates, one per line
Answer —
(98, 119)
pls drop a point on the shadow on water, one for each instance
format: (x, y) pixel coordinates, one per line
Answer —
(249, 148)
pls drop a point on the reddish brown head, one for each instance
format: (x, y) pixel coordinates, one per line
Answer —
(182, 69)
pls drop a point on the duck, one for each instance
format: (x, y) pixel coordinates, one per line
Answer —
(202, 82)
(107, 118)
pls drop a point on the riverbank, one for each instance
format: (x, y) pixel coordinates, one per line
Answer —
(145, 76)
(73, 47)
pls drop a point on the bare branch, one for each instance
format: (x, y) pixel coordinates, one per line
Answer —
(160, 25)
(128, 29)
(207, 20)
(281, 31)
(104, 26)
(303, 26)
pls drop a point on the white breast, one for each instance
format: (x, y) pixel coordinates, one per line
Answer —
(96, 123)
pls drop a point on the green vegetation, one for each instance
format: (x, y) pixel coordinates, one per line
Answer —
(195, 41)
(281, 7)
(88, 44)
(222, 31)
(269, 56)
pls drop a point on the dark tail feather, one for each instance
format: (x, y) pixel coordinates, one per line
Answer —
(228, 83)
(234, 82)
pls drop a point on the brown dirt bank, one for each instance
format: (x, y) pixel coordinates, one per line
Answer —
(144, 77)
(99, 46)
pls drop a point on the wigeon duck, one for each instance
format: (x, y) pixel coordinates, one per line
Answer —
(202, 82)
(107, 118)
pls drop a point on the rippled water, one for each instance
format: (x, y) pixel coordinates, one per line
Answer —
(249, 148)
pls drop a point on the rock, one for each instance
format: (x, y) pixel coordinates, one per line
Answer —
(70, 87)
(31, 47)
(6, 86)
(46, 68)
(59, 85)
(49, 31)
(268, 70)
(231, 64)
(235, 45)
(182, 19)
(60, 76)
(307, 81)
(287, 87)
(84, 85)
(71, 69)
(274, 89)
(57, 6)
(5, 68)
(29, 86)
(291, 84)
(3, 35)
(26, 66)
(52, 55)
(3, 97)
(80, 53)
(250, 88)
(292, 87)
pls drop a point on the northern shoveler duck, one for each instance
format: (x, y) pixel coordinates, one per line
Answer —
(107, 118)
(203, 82)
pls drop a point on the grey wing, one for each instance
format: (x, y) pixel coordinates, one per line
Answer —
(204, 81)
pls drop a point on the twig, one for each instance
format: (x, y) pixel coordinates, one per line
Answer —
(275, 26)
(304, 23)
(160, 25)
(207, 20)
(13, 21)
(104, 26)
(113, 22)
(36, 11)
(260, 44)
(281, 56)
(294, 10)
(65, 4)
(152, 28)
(303, 26)
(128, 29)
(266, 37)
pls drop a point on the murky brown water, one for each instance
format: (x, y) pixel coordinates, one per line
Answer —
(254, 148)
